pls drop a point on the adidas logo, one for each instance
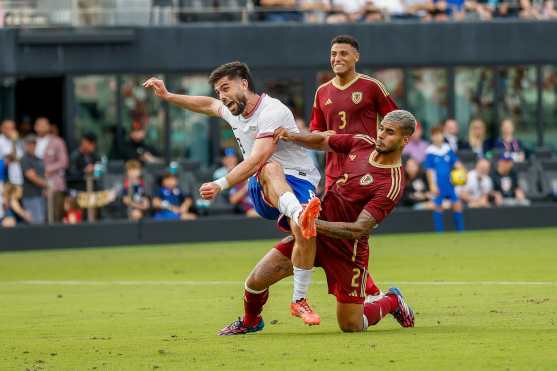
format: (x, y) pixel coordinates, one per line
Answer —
(329, 101)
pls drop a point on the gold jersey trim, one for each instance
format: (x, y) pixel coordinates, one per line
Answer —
(372, 157)
(347, 85)
(379, 84)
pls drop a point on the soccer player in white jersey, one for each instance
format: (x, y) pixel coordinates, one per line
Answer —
(282, 176)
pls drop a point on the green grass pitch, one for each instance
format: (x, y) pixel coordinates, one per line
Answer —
(484, 300)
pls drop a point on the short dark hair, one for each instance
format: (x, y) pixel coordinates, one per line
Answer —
(405, 119)
(232, 70)
(90, 137)
(436, 130)
(346, 39)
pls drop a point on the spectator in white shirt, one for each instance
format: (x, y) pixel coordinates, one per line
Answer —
(476, 191)
(11, 151)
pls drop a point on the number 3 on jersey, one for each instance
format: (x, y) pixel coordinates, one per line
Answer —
(343, 120)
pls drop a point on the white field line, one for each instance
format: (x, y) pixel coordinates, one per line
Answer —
(236, 283)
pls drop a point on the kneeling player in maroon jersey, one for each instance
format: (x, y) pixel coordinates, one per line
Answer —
(370, 187)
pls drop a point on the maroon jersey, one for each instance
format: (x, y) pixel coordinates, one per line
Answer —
(355, 108)
(364, 185)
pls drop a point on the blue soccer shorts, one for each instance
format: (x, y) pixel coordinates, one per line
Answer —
(303, 190)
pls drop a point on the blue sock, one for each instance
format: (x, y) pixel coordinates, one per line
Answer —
(458, 221)
(438, 221)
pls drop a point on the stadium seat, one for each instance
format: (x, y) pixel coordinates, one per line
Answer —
(529, 179)
(543, 153)
(115, 167)
(549, 178)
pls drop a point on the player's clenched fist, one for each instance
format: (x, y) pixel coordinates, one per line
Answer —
(209, 191)
(158, 87)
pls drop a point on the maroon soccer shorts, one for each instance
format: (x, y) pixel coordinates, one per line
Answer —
(346, 274)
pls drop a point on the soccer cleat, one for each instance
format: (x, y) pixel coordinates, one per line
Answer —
(238, 328)
(308, 218)
(404, 313)
(302, 309)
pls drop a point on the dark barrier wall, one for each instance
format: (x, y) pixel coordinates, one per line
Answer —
(201, 47)
(239, 229)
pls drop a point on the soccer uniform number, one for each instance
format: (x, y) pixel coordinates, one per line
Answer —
(343, 120)
(357, 274)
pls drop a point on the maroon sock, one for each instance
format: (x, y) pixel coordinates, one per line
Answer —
(371, 287)
(380, 308)
(253, 305)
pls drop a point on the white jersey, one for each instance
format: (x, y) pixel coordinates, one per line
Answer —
(268, 115)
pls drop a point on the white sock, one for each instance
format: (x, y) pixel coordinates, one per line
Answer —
(289, 205)
(302, 280)
(365, 324)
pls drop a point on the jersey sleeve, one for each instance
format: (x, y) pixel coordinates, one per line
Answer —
(272, 118)
(381, 205)
(341, 143)
(429, 162)
(383, 100)
(317, 122)
(225, 113)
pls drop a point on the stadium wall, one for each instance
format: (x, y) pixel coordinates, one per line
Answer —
(200, 47)
(241, 229)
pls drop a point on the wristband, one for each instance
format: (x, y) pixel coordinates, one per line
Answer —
(222, 183)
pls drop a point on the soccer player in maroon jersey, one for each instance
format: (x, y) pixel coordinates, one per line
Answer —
(371, 185)
(350, 103)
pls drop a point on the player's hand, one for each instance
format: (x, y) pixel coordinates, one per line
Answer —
(158, 87)
(209, 191)
(280, 134)
(328, 133)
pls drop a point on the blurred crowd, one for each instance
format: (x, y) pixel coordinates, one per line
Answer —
(475, 171)
(96, 12)
(342, 11)
(41, 182)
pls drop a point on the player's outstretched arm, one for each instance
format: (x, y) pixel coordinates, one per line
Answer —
(205, 105)
(347, 231)
(315, 140)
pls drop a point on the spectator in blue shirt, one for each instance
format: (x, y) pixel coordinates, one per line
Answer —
(440, 162)
(170, 202)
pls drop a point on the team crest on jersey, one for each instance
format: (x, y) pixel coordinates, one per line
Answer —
(357, 97)
(366, 180)
(352, 157)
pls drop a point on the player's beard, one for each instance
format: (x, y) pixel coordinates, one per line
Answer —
(240, 101)
(386, 150)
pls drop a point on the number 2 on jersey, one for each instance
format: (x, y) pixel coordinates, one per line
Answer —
(343, 119)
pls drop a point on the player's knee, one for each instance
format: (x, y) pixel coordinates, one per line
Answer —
(349, 322)
(270, 170)
(351, 326)
(255, 281)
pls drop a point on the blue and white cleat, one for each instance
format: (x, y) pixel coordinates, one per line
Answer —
(238, 328)
(404, 314)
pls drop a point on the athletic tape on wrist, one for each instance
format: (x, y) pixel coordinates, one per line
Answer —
(222, 183)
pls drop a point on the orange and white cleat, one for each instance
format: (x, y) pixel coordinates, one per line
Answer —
(302, 309)
(308, 218)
